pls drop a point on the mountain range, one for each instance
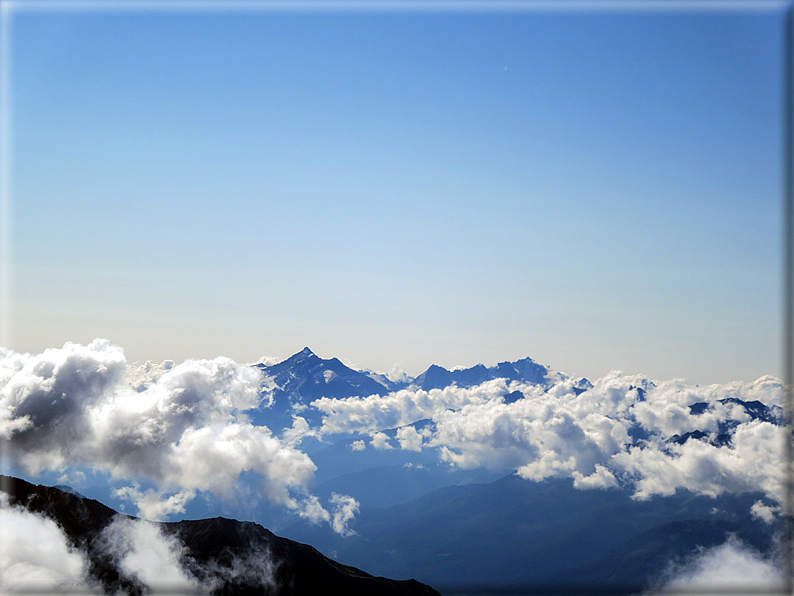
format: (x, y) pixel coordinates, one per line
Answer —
(305, 377)
(532, 536)
(440, 477)
(452, 527)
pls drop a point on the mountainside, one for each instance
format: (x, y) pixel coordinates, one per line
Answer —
(223, 556)
(541, 534)
(305, 376)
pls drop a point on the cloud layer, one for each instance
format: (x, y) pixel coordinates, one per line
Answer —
(622, 430)
(183, 428)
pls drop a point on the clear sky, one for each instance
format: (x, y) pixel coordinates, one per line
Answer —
(596, 190)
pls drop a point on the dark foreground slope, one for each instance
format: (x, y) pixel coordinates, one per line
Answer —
(226, 556)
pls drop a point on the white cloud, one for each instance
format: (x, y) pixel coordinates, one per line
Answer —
(601, 478)
(753, 463)
(409, 438)
(299, 430)
(587, 435)
(143, 551)
(73, 477)
(344, 510)
(375, 412)
(256, 567)
(154, 505)
(309, 508)
(358, 445)
(269, 360)
(183, 427)
(731, 567)
(396, 374)
(141, 376)
(381, 441)
(36, 555)
(765, 513)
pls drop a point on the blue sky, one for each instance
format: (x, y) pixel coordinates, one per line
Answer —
(596, 190)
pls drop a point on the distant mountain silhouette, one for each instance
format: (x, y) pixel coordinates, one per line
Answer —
(213, 546)
(526, 370)
(305, 377)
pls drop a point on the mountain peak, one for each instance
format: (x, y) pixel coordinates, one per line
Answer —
(303, 355)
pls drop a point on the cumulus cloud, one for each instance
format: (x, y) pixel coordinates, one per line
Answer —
(182, 427)
(36, 555)
(624, 429)
(299, 430)
(409, 438)
(765, 513)
(600, 478)
(140, 376)
(45, 399)
(375, 412)
(753, 462)
(381, 441)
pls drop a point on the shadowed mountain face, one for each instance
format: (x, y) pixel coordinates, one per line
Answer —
(755, 409)
(542, 535)
(221, 556)
(305, 376)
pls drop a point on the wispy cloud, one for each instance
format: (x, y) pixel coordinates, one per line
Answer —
(732, 566)
(142, 551)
